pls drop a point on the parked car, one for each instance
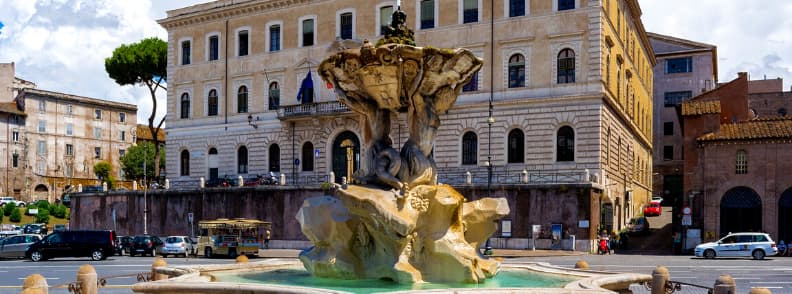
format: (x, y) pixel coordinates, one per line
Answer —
(60, 228)
(657, 199)
(9, 199)
(756, 245)
(146, 245)
(253, 181)
(40, 229)
(97, 245)
(638, 226)
(178, 245)
(15, 246)
(10, 230)
(123, 245)
(654, 209)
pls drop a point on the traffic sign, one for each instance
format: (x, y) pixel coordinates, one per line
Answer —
(687, 220)
(686, 210)
(189, 216)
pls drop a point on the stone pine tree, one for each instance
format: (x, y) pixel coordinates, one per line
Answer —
(143, 63)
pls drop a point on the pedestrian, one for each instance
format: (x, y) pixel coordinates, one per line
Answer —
(677, 243)
(783, 249)
(267, 235)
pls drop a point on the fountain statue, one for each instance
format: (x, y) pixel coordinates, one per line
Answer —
(397, 222)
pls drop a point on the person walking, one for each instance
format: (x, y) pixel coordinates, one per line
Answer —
(677, 243)
(783, 249)
(267, 235)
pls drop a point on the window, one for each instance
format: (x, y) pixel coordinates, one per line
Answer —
(42, 147)
(274, 96)
(516, 8)
(69, 150)
(42, 127)
(42, 105)
(212, 101)
(385, 18)
(668, 128)
(307, 157)
(97, 114)
(566, 66)
(566, 4)
(121, 153)
(565, 149)
(471, 86)
(185, 57)
(307, 32)
(214, 48)
(672, 99)
(242, 160)
(516, 149)
(123, 135)
(97, 133)
(427, 14)
(516, 71)
(15, 160)
(741, 167)
(470, 12)
(185, 105)
(185, 163)
(242, 38)
(122, 117)
(15, 136)
(679, 65)
(668, 152)
(69, 110)
(69, 171)
(97, 152)
(274, 158)
(242, 100)
(469, 148)
(275, 38)
(345, 24)
(69, 129)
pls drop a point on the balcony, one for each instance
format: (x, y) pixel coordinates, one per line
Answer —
(329, 108)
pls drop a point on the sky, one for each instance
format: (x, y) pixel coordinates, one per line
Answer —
(61, 44)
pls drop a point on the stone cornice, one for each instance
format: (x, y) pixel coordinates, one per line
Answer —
(214, 12)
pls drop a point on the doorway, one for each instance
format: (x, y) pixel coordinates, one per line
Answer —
(346, 155)
(740, 211)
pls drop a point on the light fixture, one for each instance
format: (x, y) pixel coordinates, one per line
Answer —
(491, 120)
(250, 121)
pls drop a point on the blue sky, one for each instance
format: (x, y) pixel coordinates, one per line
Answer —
(61, 44)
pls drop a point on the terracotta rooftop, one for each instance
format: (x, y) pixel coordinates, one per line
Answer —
(143, 133)
(700, 107)
(758, 129)
(10, 107)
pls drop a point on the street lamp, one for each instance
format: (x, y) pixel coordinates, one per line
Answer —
(145, 197)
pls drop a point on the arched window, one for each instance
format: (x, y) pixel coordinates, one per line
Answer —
(516, 147)
(274, 96)
(242, 99)
(741, 166)
(242, 160)
(307, 157)
(213, 103)
(469, 148)
(185, 163)
(213, 164)
(516, 71)
(185, 105)
(566, 66)
(565, 148)
(274, 158)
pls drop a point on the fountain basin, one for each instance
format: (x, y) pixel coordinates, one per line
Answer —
(288, 276)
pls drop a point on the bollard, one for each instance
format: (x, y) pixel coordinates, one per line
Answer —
(660, 277)
(283, 180)
(79, 187)
(134, 185)
(525, 177)
(332, 177)
(158, 262)
(586, 175)
(242, 259)
(201, 183)
(86, 278)
(468, 178)
(35, 284)
(343, 183)
(582, 264)
(725, 285)
(241, 181)
(167, 184)
(760, 291)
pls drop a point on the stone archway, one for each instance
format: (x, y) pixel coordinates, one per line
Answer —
(346, 155)
(785, 216)
(740, 211)
(41, 192)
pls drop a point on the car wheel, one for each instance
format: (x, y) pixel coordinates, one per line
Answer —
(36, 256)
(208, 252)
(21, 205)
(758, 254)
(97, 255)
(709, 253)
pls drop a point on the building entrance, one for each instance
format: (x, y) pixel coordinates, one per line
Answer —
(740, 211)
(785, 216)
(346, 155)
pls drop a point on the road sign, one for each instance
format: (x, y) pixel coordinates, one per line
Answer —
(189, 216)
(687, 220)
(686, 210)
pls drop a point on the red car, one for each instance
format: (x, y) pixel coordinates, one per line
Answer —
(654, 209)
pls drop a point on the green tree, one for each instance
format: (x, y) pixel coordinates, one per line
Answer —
(102, 170)
(59, 211)
(16, 216)
(9, 208)
(143, 63)
(132, 161)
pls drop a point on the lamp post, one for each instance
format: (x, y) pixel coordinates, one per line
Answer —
(145, 197)
(490, 118)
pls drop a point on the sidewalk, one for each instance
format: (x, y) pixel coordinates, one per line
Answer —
(505, 253)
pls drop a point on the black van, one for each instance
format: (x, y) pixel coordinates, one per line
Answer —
(97, 245)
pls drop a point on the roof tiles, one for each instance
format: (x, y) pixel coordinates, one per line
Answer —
(700, 107)
(758, 129)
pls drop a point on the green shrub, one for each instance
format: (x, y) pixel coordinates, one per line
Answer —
(43, 216)
(43, 204)
(9, 208)
(59, 211)
(15, 216)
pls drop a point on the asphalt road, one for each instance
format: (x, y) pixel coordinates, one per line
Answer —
(774, 273)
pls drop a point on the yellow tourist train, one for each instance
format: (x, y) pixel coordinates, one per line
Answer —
(231, 237)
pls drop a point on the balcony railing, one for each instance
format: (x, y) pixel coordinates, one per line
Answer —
(479, 177)
(312, 109)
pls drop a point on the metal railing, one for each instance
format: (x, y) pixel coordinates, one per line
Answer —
(515, 177)
(312, 109)
(672, 287)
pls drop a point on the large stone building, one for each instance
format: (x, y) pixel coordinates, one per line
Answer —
(52, 140)
(570, 80)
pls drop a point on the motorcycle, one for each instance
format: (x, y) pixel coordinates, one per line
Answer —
(603, 246)
(270, 179)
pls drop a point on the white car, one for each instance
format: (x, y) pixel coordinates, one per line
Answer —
(756, 245)
(9, 199)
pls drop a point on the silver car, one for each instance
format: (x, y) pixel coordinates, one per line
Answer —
(756, 245)
(178, 245)
(15, 246)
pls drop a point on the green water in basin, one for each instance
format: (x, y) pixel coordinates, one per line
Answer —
(506, 278)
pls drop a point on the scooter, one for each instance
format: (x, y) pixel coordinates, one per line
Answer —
(271, 179)
(603, 246)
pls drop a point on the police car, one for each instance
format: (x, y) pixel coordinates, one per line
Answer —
(756, 245)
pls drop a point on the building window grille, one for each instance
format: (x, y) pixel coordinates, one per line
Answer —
(566, 66)
(742, 163)
(346, 25)
(469, 148)
(69, 149)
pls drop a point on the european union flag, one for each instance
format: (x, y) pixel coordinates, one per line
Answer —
(306, 90)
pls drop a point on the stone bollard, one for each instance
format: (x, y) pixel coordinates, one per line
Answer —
(86, 278)
(525, 177)
(468, 178)
(725, 285)
(760, 291)
(332, 177)
(167, 184)
(283, 180)
(201, 183)
(660, 277)
(242, 259)
(104, 186)
(35, 284)
(158, 262)
(241, 181)
(582, 264)
(134, 185)
(586, 175)
(79, 187)
(343, 183)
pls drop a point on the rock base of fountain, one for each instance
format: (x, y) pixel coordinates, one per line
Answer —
(428, 233)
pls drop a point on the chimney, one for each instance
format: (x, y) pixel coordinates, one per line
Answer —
(743, 74)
